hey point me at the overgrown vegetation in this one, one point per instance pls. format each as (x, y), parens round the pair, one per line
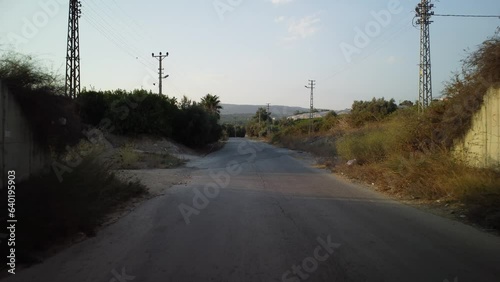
(53, 117)
(374, 110)
(260, 124)
(141, 112)
(480, 71)
(410, 154)
(51, 211)
(231, 130)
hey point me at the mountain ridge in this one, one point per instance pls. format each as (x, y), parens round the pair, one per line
(276, 110)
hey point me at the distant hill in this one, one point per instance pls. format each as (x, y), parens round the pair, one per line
(237, 119)
(318, 114)
(241, 114)
(276, 111)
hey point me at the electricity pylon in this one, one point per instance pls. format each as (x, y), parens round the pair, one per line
(423, 14)
(72, 86)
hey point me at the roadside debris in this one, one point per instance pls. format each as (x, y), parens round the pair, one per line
(351, 162)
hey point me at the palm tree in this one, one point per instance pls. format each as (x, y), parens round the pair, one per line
(212, 104)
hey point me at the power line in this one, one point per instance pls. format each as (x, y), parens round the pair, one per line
(378, 45)
(97, 26)
(118, 22)
(105, 23)
(139, 28)
(112, 26)
(467, 16)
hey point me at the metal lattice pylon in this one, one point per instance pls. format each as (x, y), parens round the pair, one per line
(72, 86)
(424, 13)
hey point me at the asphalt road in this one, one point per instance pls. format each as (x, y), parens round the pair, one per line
(253, 212)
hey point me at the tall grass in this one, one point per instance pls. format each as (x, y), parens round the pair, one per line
(480, 191)
(371, 146)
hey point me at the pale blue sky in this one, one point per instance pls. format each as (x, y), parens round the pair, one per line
(250, 51)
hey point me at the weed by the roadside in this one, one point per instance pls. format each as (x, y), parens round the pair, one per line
(479, 189)
(128, 157)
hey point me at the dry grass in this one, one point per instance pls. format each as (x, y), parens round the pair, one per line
(127, 157)
(433, 176)
(386, 156)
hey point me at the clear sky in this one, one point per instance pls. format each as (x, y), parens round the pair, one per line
(251, 51)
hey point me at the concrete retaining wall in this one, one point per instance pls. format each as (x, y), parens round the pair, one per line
(18, 151)
(481, 145)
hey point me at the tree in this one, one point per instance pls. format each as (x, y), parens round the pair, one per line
(259, 124)
(211, 103)
(186, 103)
(331, 114)
(195, 127)
(261, 115)
(374, 110)
(406, 103)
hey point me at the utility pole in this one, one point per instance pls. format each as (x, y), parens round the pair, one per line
(72, 85)
(312, 85)
(160, 70)
(423, 15)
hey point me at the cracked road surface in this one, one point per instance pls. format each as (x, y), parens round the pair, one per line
(256, 213)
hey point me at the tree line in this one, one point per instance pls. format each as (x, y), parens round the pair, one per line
(138, 112)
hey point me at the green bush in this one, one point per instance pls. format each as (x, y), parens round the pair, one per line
(93, 107)
(231, 130)
(195, 127)
(259, 123)
(139, 112)
(374, 110)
